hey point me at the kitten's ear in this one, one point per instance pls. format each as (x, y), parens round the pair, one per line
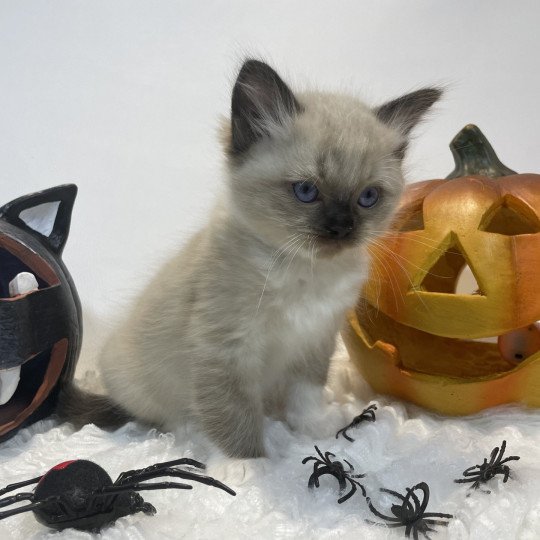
(45, 214)
(259, 98)
(406, 111)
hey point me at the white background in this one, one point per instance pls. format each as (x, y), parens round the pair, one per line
(122, 97)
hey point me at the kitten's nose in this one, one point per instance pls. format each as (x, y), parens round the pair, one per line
(339, 230)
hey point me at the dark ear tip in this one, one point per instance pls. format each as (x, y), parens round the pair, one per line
(253, 68)
(429, 95)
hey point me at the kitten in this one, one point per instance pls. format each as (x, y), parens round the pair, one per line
(243, 321)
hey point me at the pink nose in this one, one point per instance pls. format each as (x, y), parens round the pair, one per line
(519, 344)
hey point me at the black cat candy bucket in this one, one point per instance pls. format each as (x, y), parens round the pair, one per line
(40, 312)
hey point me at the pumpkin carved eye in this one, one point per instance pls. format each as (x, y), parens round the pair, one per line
(510, 217)
(451, 274)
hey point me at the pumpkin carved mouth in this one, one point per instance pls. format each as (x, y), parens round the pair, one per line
(437, 355)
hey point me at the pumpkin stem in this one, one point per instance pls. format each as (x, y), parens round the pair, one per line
(474, 155)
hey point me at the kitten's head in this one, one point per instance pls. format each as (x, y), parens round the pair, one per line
(315, 169)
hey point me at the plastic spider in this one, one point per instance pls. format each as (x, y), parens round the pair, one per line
(325, 465)
(488, 470)
(82, 495)
(367, 415)
(411, 514)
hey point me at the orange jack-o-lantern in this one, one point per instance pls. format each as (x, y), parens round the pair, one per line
(419, 332)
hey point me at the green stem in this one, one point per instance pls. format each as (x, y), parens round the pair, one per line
(473, 155)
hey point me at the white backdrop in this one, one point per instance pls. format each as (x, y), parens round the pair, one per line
(123, 97)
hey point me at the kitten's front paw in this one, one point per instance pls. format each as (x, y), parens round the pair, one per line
(235, 472)
(320, 422)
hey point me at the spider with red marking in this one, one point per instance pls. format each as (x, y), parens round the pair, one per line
(323, 464)
(80, 494)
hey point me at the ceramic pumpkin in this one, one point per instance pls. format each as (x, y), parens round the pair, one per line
(415, 334)
(40, 312)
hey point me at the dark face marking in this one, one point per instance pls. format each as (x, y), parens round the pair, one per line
(337, 221)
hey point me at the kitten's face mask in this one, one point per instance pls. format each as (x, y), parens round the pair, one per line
(320, 173)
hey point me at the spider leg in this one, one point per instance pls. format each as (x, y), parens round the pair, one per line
(310, 458)
(382, 516)
(422, 486)
(437, 522)
(315, 474)
(144, 487)
(495, 455)
(394, 493)
(389, 525)
(464, 480)
(20, 510)
(318, 471)
(347, 496)
(510, 458)
(503, 448)
(18, 485)
(406, 508)
(146, 508)
(427, 528)
(16, 498)
(359, 485)
(28, 507)
(438, 514)
(320, 453)
(158, 466)
(179, 473)
(506, 470)
(350, 466)
(343, 431)
(327, 456)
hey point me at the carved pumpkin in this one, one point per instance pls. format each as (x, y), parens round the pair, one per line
(417, 336)
(40, 324)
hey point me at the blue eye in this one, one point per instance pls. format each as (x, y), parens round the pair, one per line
(305, 192)
(369, 197)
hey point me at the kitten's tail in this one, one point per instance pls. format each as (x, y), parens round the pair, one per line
(80, 407)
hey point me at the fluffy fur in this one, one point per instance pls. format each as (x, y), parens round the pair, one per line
(243, 321)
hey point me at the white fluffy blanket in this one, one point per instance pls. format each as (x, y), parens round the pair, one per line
(403, 447)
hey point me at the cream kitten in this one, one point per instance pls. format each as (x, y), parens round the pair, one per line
(242, 322)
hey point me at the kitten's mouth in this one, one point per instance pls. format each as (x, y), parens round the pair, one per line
(331, 246)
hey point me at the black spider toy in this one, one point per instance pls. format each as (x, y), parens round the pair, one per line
(488, 470)
(324, 465)
(367, 415)
(80, 494)
(411, 514)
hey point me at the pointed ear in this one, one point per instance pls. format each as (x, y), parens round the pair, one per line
(406, 111)
(45, 214)
(259, 98)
